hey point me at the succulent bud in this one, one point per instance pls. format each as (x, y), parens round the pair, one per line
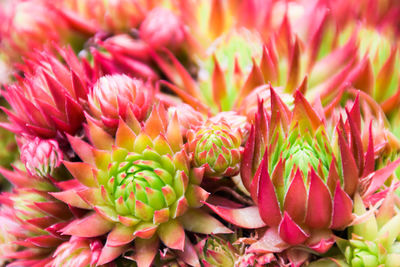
(118, 96)
(215, 251)
(216, 147)
(162, 28)
(41, 157)
(80, 252)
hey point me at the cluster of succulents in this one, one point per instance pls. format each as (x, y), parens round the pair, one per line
(200, 133)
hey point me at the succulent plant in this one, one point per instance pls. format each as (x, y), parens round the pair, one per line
(138, 187)
(162, 29)
(304, 185)
(120, 54)
(29, 25)
(39, 218)
(216, 147)
(119, 96)
(114, 16)
(80, 252)
(374, 242)
(200, 133)
(227, 73)
(41, 157)
(47, 101)
(215, 251)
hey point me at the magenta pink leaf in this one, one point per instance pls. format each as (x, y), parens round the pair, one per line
(290, 232)
(248, 217)
(319, 206)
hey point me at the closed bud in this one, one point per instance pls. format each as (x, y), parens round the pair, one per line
(41, 156)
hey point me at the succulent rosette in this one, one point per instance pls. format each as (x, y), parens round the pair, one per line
(80, 252)
(39, 217)
(227, 73)
(114, 16)
(120, 54)
(217, 148)
(139, 186)
(119, 96)
(373, 242)
(31, 25)
(215, 251)
(41, 157)
(200, 133)
(304, 184)
(162, 29)
(47, 101)
(361, 54)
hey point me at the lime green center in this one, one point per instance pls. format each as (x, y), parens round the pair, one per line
(139, 178)
(302, 151)
(212, 143)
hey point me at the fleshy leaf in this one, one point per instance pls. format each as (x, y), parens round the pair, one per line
(83, 172)
(248, 217)
(146, 250)
(197, 221)
(296, 197)
(172, 234)
(319, 205)
(71, 198)
(342, 209)
(110, 253)
(290, 232)
(90, 226)
(120, 235)
(268, 204)
(349, 166)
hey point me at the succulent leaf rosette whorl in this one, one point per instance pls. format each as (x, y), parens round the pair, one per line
(215, 251)
(41, 157)
(38, 218)
(140, 187)
(29, 25)
(304, 184)
(79, 252)
(47, 102)
(119, 96)
(162, 28)
(374, 242)
(216, 147)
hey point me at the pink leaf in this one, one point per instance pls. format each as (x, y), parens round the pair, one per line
(248, 218)
(90, 226)
(319, 206)
(268, 204)
(290, 232)
(172, 234)
(342, 209)
(296, 197)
